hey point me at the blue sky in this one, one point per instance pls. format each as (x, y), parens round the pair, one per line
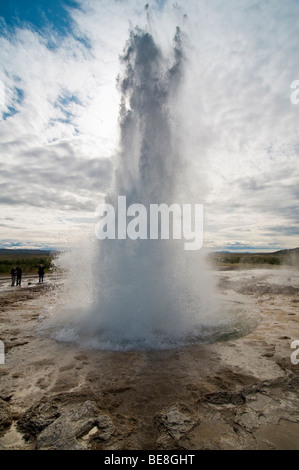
(59, 63)
(40, 15)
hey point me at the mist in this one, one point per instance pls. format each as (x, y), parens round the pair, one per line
(137, 294)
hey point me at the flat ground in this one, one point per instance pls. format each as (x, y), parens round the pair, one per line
(238, 394)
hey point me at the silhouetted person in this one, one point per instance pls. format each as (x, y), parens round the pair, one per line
(13, 273)
(19, 275)
(41, 272)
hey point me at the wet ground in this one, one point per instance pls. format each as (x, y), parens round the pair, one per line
(235, 394)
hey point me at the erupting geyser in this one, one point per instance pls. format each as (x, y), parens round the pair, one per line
(148, 293)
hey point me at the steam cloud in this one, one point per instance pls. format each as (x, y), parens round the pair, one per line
(147, 293)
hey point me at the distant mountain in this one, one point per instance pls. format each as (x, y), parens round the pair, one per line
(24, 252)
(287, 252)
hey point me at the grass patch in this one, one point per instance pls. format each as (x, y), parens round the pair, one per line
(29, 262)
(242, 260)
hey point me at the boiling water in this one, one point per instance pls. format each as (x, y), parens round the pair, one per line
(132, 294)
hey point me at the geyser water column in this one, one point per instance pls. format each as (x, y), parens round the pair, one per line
(150, 293)
(126, 294)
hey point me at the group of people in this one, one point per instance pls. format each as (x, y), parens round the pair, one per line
(16, 275)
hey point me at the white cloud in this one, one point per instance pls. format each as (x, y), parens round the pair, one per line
(239, 128)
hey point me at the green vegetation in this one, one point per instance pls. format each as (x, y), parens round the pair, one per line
(29, 263)
(242, 260)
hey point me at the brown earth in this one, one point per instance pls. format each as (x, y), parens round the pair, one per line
(238, 394)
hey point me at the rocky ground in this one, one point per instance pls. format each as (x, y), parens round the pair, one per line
(238, 394)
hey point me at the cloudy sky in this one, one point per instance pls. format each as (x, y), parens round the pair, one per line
(59, 104)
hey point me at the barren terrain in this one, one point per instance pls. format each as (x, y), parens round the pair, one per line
(236, 394)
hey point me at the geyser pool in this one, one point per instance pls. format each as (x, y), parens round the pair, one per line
(144, 293)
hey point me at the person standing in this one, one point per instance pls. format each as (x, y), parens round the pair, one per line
(41, 272)
(13, 273)
(19, 275)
